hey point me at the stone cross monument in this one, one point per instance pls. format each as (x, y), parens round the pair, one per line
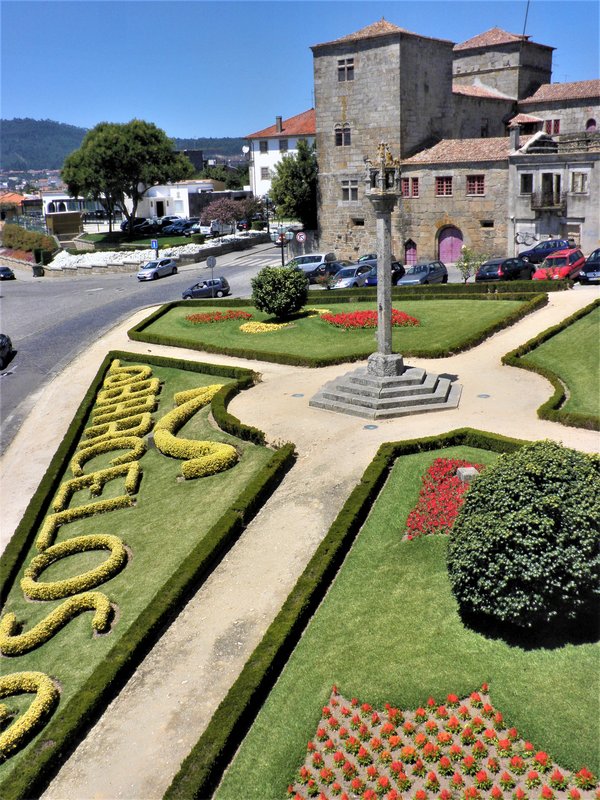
(386, 388)
(382, 188)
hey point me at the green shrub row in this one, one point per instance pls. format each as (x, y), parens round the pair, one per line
(201, 771)
(55, 590)
(45, 701)
(551, 410)
(139, 333)
(13, 643)
(17, 238)
(63, 732)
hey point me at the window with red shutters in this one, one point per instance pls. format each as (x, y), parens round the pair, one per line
(443, 186)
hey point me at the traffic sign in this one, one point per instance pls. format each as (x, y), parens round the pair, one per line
(211, 262)
(300, 236)
(154, 244)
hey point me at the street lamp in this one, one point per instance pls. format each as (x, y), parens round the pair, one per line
(283, 237)
(267, 200)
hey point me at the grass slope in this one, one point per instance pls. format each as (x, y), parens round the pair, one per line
(389, 630)
(574, 355)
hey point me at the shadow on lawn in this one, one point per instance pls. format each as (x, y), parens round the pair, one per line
(583, 630)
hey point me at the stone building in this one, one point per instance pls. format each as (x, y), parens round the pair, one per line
(445, 110)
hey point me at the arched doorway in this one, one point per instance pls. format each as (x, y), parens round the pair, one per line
(590, 126)
(410, 252)
(449, 244)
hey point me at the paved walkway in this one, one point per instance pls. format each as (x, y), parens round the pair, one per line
(137, 746)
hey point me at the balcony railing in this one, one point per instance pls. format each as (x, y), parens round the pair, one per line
(549, 201)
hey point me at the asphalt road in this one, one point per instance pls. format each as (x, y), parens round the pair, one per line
(52, 320)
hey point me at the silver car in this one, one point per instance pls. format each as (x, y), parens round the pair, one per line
(351, 277)
(156, 269)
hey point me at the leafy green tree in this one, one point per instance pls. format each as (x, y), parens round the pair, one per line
(232, 178)
(117, 161)
(294, 186)
(280, 291)
(469, 262)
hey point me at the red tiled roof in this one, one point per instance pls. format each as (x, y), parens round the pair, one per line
(456, 150)
(478, 91)
(380, 28)
(301, 125)
(489, 38)
(11, 197)
(564, 91)
(522, 119)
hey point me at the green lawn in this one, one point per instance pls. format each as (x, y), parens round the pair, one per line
(388, 630)
(445, 324)
(574, 355)
(169, 519)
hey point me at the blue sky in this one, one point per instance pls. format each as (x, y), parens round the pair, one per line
(223, 68)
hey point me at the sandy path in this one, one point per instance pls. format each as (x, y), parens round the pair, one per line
(137, 746)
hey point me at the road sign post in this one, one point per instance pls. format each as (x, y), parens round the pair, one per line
(154, 246)
(211, 263)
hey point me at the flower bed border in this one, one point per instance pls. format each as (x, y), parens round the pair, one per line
(532, 302)
(203, 768)
(551, 409)
(65, 730)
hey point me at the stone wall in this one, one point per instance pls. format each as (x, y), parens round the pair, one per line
(573, 114)
(472, 114)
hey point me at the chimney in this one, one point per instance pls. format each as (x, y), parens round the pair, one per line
(278, 125)
(515, 133)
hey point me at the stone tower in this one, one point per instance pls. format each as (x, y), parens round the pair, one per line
(382, 83)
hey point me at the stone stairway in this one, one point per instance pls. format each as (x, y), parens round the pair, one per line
(365, 395)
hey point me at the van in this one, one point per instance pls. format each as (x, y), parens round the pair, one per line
(217, 228)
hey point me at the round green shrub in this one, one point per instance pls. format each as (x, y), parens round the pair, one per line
(280, 291)
(524, 550)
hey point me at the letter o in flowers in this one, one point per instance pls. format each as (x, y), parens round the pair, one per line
(33, 720)
(38, 590)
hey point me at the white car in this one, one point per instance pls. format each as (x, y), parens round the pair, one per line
(351, 277)
(156, 269)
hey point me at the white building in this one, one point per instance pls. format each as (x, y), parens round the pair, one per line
(175, 198)
(269, 146)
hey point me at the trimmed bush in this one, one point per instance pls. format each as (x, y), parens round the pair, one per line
(280, 291)
(14, 643)
(524, 550)
(55, 590)
(28, 724)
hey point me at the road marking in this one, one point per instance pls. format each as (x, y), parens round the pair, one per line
(99, 289)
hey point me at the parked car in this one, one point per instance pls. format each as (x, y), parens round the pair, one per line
(137, 221)
(504, 269)
(6, 274)
(427, 272)
(327, 270)
(542, 249)
(149, 227)
(156, 269)
(372, 257)
(311, 261)
(217, 287)
(169, 219)
(564, 264)
(178, 228)
(217, 228)
(397, 272)
(351, 277)
(590, 272)
(195, 228)
(6, 349)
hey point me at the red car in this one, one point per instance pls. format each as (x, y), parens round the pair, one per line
(562, 264)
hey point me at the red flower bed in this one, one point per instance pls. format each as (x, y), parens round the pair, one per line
(440, 499)
(217, 316)
(422, 755)
(367, 319)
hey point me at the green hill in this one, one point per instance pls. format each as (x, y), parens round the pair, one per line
(44, 144)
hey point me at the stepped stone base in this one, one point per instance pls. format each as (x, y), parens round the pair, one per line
(363, 394)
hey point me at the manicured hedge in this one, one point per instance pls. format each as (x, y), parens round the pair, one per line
(551, 410)
(201, 771)
(531, 302)
(66, 728)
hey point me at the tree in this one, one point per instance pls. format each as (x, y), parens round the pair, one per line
(469, 262)
(280, 291)
(117, 161)
(232, 178)
(294, 186)
(224, 211)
